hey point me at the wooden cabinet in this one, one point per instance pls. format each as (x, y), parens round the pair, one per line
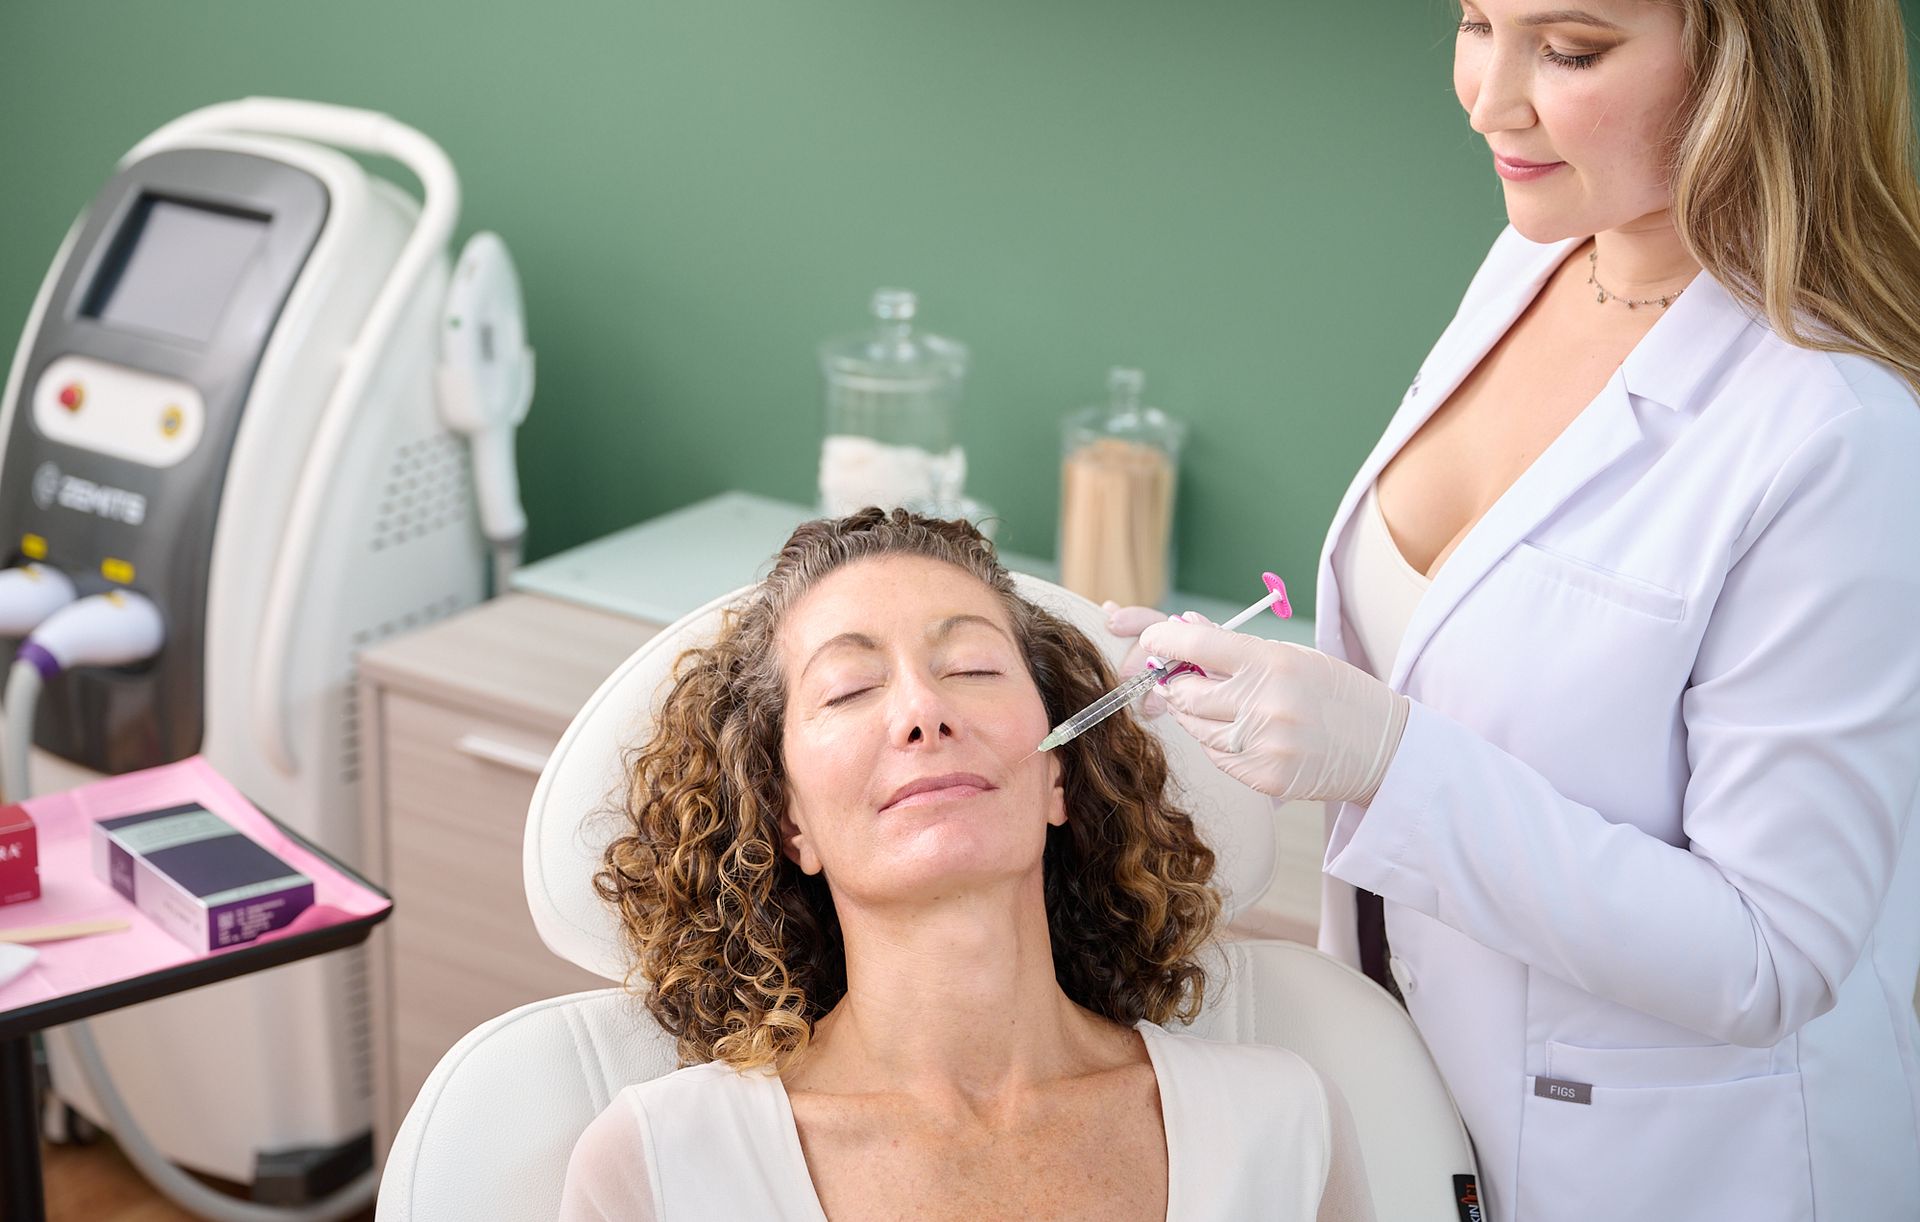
(459, 719)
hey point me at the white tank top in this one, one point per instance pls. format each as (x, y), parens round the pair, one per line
(1252, 1131)
(1378, 589)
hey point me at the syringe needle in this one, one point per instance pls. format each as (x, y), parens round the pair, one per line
(1099, 710)
(1104, 707)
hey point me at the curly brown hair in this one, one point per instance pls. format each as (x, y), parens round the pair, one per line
(743, 950)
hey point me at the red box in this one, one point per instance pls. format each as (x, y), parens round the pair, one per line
(19, 856)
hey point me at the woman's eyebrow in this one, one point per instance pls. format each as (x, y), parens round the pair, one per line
(860, 640)
(946, 626)
(1567, 16)
(846, 640)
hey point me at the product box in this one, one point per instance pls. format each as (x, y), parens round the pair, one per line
(19, 856)
(196, 877)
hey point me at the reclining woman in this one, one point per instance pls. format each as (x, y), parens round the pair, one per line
(915, 969)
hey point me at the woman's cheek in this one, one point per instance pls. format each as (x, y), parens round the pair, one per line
(1577, 123)
(839, 732)
(1023, 725)
(821, 738)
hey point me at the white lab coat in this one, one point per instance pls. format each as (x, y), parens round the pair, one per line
(1650, 829)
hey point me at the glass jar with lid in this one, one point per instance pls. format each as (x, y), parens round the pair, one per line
(891, 396)
(1119, 461)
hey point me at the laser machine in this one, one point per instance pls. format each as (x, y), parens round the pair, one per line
(256, 402)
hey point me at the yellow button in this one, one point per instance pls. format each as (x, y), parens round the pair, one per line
(34, 546)
(172, 419)
(116, 570)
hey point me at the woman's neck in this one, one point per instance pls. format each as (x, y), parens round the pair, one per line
(953, 997)
(1645, 258)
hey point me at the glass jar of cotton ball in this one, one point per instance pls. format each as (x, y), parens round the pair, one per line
(1117, 473)
(892, 393)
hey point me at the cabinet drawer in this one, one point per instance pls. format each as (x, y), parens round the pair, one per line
(464, 949)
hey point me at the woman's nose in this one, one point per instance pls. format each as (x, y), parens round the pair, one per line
(1501, 94)
(920, 713)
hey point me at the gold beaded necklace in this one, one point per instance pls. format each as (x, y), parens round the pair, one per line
(1602, 293)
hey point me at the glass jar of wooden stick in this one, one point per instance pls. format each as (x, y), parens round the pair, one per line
(1117, 476)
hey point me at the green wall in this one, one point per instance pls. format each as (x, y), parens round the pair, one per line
(1269, 206)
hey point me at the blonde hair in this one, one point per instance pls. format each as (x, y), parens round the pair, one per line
(1793, 177)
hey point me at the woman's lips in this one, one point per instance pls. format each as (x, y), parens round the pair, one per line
(1523, 172)
(943, 788)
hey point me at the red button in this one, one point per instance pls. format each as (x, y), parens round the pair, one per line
(72, 396)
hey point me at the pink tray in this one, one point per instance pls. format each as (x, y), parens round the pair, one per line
(109, 964)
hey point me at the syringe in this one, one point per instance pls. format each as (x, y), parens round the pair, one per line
(1158, 672)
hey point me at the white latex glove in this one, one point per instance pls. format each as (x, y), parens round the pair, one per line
(1277, 717)
(1130, 622)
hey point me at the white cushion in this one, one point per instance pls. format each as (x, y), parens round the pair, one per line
(574, 809)
(489, 1134)
(1290, 995)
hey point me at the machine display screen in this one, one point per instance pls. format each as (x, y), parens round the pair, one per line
(173, 267)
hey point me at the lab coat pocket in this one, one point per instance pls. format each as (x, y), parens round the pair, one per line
(1620, 589)
(1702, 1133)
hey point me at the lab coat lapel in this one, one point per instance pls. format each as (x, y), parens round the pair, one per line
(1458, 352)
(1667, 370)
(1604, 430)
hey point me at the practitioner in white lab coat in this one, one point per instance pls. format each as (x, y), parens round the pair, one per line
(1616, 700)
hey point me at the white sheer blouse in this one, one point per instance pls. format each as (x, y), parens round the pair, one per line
(1251, 1132)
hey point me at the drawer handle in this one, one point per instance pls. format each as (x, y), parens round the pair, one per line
(518, 758)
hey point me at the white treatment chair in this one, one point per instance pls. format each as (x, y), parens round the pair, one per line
(489, 1135)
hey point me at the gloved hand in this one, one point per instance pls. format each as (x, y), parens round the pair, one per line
(1277, 717)
(1130, 622)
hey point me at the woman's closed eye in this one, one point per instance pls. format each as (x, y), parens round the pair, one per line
(844, 697)
(1558, 58)
(848, 697)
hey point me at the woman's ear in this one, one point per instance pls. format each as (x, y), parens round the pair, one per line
(797, 845)
(1056, 791)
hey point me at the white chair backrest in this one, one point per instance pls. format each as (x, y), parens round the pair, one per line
(1290, 995)
(573, 815)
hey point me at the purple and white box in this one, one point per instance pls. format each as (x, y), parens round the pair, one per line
(196, 877)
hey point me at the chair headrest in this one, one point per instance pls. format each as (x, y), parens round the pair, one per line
(580, 796)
